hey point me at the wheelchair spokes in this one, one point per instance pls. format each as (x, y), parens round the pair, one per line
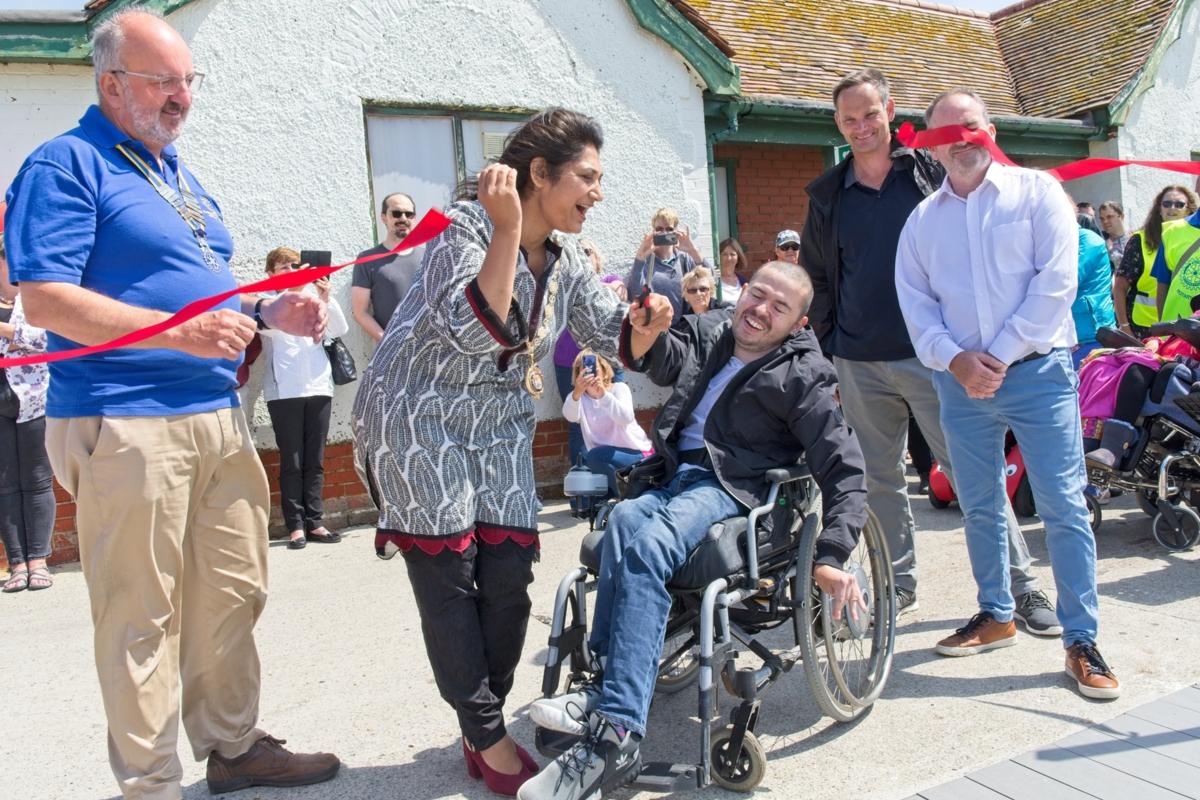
(847, 664)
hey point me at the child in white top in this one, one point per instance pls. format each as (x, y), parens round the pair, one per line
(604, 411)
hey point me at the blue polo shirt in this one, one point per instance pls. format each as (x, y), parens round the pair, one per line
(80, 213)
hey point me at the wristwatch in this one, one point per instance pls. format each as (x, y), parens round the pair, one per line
(258, 320)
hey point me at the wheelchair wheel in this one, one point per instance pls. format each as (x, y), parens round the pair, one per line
(1095, 510)
(1182, 538)
(742, 771)
(847, 662)
(680, 663)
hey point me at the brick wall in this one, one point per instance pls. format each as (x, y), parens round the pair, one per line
(769, 182)
(346, 500)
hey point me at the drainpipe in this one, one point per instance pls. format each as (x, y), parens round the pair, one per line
(731, 109)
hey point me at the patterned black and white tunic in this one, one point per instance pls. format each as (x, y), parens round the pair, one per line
(443, 427)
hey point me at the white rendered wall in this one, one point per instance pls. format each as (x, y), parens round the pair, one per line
(277, 133)
(38, 102)
(1164, 123)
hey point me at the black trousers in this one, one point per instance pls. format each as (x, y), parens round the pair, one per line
(918, 448)
(301, 425)
(474, 609)
(26, 490)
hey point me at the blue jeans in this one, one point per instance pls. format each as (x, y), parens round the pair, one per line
(1039, 401)
(647, 539)
(607, 460)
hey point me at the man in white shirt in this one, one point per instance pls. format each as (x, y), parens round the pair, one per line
(986, 272)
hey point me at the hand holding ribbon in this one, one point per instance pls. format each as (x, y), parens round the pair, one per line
(430, 226)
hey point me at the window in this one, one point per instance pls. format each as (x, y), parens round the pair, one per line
(427, 152)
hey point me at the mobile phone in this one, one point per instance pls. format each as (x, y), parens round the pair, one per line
(589, 364)
(316, 258)
(661, 239)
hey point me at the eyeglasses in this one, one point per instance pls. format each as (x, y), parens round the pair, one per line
(167, 84)
(397, 214)
(700, 290)
(286, 266)
(789, 246)
(1173, 204)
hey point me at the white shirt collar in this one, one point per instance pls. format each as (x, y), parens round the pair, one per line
(996, 175)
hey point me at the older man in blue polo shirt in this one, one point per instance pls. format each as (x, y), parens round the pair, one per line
(109, 233)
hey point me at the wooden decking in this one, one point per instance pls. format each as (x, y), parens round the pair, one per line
(1149, 753)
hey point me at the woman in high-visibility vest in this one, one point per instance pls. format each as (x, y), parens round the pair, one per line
(1137, 313)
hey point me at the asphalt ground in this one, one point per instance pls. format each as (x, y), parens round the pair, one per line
(344, 670)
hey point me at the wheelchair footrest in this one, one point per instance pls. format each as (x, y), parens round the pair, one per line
(659, 776)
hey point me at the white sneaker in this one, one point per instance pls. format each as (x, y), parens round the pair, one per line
(603, 761)
(567, 713)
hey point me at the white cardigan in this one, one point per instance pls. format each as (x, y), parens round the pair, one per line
(607, 421)
(296, 365)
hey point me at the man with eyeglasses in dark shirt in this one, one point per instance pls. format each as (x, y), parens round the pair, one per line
(379, 286)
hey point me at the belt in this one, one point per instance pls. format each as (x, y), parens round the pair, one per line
(1031, 357)
(697, 457)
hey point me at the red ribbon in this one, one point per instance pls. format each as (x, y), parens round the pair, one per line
(430, 226)
(949, 134)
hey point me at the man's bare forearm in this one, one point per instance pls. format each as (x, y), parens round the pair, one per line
(84, 316)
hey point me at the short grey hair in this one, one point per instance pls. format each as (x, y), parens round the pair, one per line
(109, 37)
(870, 77)
(957, 92)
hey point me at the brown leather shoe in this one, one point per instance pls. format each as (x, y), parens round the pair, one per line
(1091, 674)
(267, 763)
(981, 633)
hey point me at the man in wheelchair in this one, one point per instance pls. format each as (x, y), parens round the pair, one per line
(751, 392)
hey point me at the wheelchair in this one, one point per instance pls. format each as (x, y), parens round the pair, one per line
(749, 575)
(1159, 461)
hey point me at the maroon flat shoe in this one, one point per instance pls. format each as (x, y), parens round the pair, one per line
(498, 782)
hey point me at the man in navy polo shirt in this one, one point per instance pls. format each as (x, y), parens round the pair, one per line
(109, 233)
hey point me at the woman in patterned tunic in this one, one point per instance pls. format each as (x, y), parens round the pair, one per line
(444, 417)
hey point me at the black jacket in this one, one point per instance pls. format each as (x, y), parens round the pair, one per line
(819, 251)
(775, 410)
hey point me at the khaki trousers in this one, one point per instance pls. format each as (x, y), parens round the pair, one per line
(172, 521)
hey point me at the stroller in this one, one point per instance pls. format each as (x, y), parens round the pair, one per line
(1159, 458)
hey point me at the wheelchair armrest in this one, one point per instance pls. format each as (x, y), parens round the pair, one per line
(1111, 337)
(788, 474)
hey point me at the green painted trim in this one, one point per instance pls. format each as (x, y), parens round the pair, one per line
(730, 165)
(1118, 110)
(510, 114)
(65, 42)
(720, 75)
(53, 42)
(811, 124)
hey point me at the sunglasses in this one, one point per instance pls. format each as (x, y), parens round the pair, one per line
(789, 246)
(402, 214)
(287, 267)
(1173, 204)
(700, 290)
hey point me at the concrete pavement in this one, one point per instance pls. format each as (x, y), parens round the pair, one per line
(344, 670)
